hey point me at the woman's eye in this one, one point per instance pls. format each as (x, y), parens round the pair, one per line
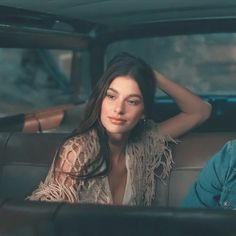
(133, 102)
(110, 96)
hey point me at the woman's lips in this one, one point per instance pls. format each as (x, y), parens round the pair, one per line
(117, 121)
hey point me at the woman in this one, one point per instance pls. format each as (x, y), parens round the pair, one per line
(216, 185)
(115, 155)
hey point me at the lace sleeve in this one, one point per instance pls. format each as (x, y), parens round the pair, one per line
(60, 184)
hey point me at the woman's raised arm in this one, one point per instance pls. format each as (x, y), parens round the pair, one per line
(193, 109)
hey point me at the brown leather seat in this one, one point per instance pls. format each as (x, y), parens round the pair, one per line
(190, 155)
(18, 218)
(24, 161)
(26, 158)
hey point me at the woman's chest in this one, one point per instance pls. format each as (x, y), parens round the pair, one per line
(117, 180)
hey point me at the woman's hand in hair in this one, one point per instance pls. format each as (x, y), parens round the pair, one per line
(194, 110)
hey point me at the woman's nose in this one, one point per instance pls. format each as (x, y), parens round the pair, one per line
(119, 107)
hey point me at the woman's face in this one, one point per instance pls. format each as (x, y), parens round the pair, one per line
(122, 106)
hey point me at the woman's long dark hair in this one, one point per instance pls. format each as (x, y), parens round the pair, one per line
(123, 64)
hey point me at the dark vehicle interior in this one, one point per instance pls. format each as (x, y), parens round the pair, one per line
(51, 55)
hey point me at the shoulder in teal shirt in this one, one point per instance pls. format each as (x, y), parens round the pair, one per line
(216, 184)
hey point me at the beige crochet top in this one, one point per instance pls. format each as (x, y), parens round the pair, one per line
(148, 158)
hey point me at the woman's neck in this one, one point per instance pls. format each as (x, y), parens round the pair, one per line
(117, 148)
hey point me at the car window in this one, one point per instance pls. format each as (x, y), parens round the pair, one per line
(205, 63)
(33, 79)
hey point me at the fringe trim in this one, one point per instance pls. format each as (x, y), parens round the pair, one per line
(54, 192)
(148, 156)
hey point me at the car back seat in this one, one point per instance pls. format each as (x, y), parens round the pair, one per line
(190, 155)
(25, 160)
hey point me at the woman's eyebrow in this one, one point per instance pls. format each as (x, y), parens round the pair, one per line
(115, 91)
(135, 95)
(130, 95)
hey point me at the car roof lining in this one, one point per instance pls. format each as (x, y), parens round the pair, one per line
(111, 12)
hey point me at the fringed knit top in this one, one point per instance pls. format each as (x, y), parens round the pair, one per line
(146, 159)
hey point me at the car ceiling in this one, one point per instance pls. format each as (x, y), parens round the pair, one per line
(112, 12)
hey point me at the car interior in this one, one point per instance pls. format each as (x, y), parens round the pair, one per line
(51, 55)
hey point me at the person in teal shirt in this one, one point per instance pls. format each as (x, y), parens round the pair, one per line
(215, 186)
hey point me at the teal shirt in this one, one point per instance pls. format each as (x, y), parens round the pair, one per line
(216, 183)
